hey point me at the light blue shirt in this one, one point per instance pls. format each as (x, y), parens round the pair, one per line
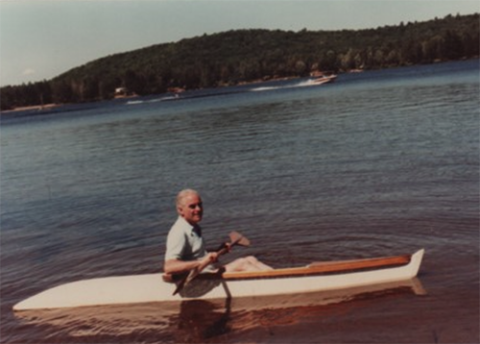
(184, 243)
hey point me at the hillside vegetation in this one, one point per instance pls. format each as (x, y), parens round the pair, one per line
(233, 57)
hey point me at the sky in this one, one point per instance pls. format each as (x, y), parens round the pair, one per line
(40, 39)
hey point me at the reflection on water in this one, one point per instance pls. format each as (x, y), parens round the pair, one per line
(197, 321)
(200, 320)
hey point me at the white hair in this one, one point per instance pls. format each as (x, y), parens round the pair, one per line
(182, 194)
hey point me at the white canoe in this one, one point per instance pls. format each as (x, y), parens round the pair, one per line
(152, 288)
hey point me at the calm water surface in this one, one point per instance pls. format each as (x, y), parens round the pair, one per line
(378, 163)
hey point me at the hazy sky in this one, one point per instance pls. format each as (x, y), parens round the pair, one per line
(40, 39)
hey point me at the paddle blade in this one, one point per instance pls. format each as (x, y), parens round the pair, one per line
(239, 239)
(185, 280)
(180, 285)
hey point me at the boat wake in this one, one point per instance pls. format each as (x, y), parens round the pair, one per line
(260, 89)
(135, 102)
(156, 100)
(272, 88)
(305, 83)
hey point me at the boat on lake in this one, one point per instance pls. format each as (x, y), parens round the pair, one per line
(324, 79)
(316, 277)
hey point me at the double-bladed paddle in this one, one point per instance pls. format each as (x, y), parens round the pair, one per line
(235, 239)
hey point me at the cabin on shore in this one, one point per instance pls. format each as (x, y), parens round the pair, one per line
(120, 92)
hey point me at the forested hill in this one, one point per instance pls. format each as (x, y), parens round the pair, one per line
(239, 56)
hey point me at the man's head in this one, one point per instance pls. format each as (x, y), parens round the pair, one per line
(189, 206)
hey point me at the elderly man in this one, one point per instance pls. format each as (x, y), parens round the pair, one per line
(185, 244)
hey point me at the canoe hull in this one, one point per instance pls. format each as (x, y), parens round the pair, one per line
(152, 288)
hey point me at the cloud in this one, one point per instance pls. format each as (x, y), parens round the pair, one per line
(28, 71)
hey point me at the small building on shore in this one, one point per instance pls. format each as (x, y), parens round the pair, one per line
(120, 92)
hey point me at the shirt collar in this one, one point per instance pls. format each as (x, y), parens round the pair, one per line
(189, 227)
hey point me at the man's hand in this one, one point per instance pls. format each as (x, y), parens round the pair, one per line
(225, 245)
(211, 257)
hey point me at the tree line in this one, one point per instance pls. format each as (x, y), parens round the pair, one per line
(237, 56)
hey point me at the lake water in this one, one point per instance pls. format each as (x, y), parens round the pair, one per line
(376, 164)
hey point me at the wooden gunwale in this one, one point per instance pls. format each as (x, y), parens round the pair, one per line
(323, 268)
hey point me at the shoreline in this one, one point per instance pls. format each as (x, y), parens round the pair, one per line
(30, 108)
(54, 105)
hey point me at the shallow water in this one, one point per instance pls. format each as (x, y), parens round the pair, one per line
(376, 164)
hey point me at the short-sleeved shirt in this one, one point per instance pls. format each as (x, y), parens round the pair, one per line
(184, 242)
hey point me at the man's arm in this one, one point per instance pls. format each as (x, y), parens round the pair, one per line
(177, 266)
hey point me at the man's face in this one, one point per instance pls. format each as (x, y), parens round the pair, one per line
(191, 209)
